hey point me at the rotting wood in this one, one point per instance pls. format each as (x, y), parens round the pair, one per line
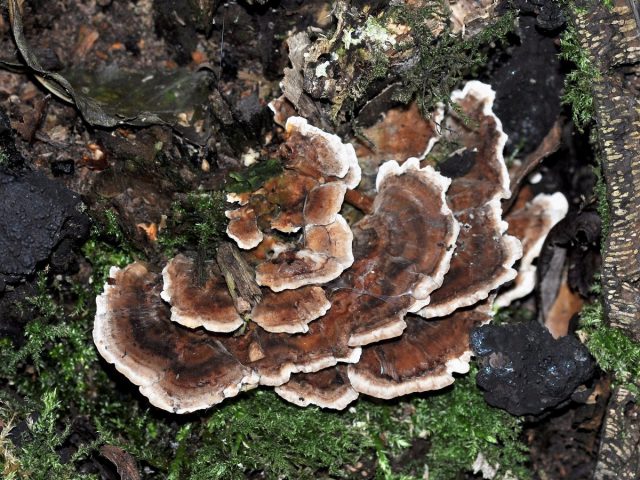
(619, 456)
(239, 276)
(612, 38)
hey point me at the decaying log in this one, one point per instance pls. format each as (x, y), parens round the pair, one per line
(612, 38)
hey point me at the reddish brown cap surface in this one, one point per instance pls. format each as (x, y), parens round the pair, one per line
(290, 311)
(481, 262)
(424, 358)
(477, 171)
(403, 132)
(405, 246)
(178, 369)
(275, 356)
(326, 254)
(329, 388)
(484, 254)
(304, 199)
(243, 227)
(208, 305)
(402, 251)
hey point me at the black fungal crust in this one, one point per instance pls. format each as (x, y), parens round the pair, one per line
(39, 218)
(528, 86)
(524, 370)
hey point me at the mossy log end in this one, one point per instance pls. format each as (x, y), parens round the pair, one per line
(612, 38)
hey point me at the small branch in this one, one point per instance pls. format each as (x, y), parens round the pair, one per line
(240, 277)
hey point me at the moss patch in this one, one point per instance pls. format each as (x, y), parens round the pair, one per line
(614, 351)
(578, 93)
(197, 220)
(444, 61)
(254, 176)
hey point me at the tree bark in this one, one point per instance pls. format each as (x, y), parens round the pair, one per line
(619, 454)
(612, 37)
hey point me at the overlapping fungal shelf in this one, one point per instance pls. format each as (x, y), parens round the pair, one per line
(382, 307)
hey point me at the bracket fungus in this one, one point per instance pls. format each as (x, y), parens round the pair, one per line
(382, 306)
(208, 305)
(531, 223)
(177, 369)
(305, 198)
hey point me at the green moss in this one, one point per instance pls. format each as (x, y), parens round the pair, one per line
(111, 225)
(102, 256)
(444, 61)
(614, 351)
(608, 4)
(373, 64)
(106, 247)
(254, 176)
(457, 424)
(260, 432)
(37, 458)
(512, 314)
(4, 158)
(197, 221)
(578, 84)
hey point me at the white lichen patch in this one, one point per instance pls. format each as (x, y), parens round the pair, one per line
(372, 33)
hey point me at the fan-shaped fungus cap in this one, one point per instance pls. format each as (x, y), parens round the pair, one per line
(290, 311)
(484, 255)
(531, 224)
(402, 132)
(179, 370)
(326, 255)
(414, 229)
(329, 388)
(319, 154)
(277, 356)
(243, 227)
(478, 171)
(208, 305)
(424, 358)
(402, 251)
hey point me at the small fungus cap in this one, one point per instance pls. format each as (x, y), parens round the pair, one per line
(329, 388)
(424, 358)
(306, 199)
(531, 224)
(290, 311)
(208, 305)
